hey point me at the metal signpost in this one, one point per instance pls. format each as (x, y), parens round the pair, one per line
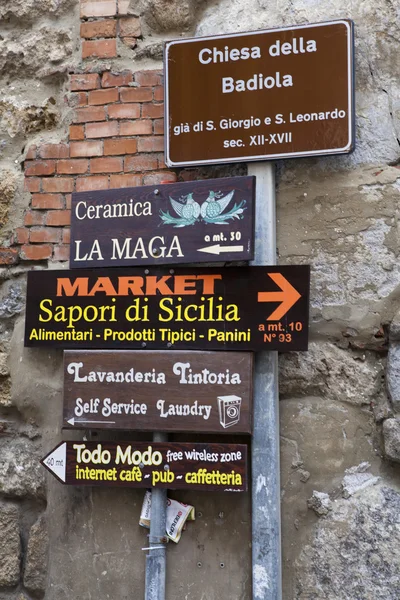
(245, 308)
(199, 221)
(278, 93)
(216, 467)
(208, 392)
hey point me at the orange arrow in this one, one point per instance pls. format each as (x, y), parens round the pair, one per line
(287, 297)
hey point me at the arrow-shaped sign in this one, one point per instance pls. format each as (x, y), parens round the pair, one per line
(56, 461)
(287, 297)
(218, 249)
(72, 421)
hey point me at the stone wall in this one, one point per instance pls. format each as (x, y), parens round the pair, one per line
(81, 109)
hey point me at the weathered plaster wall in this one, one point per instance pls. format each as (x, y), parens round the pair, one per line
(340, 424)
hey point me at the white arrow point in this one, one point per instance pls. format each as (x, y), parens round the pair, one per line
(72, 421)
(56, 462)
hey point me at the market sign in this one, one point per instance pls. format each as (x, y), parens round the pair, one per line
(247, 308)
(209, 392)
(199, 221)
(210, 467)
(276, 93)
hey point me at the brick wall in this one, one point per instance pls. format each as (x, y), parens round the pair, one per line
(116, 140)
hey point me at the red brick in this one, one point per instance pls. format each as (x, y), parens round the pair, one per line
(43, 235)
(87, 148)
(104, 96)
(99, 48)
(66, 236)
(116, 79)
(91, 113)
(72, 166)
(124, 181)
(141, 163)
(61, 252)
(39, 167)
(105, 28)
(76, 132)
(139, 127)
(102, 130)
(32, 184)
(130, 27)
(151, 144)
(106, 165)
(124, 111)
(87, 184)
(161, 163)
(33, 218)
(136, 94)
(8, 256)
(84, 81)
(54, 151)
(47, 201)
(149, 78)
(162, 177)
(98, 8)
(31, 153)
(75, 99)
(158, 126)
(68, 201)
(58, 218)
(114, 147)
(36, 252)
(58, 184)
(21, 235)
(159, 93)
(154, 111)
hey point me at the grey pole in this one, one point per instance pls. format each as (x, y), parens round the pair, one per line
(156, 558)
(266, 513)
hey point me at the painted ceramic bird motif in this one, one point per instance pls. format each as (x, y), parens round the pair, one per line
(188, 211)
(213, 206)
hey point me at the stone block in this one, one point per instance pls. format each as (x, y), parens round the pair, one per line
(20, 471)
(344, 375)
(36, 557)
(393, 374)
(391, 437)
(10, 545)
(352, 552)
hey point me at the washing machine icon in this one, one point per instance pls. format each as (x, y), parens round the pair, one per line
(229, 410)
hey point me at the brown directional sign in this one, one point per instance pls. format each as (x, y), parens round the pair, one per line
(277, 93)
(210, 467)
(158, 391)
(247, 308)
(199, 221)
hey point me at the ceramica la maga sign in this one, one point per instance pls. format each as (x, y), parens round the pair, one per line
(197, 221)
(279, 93)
